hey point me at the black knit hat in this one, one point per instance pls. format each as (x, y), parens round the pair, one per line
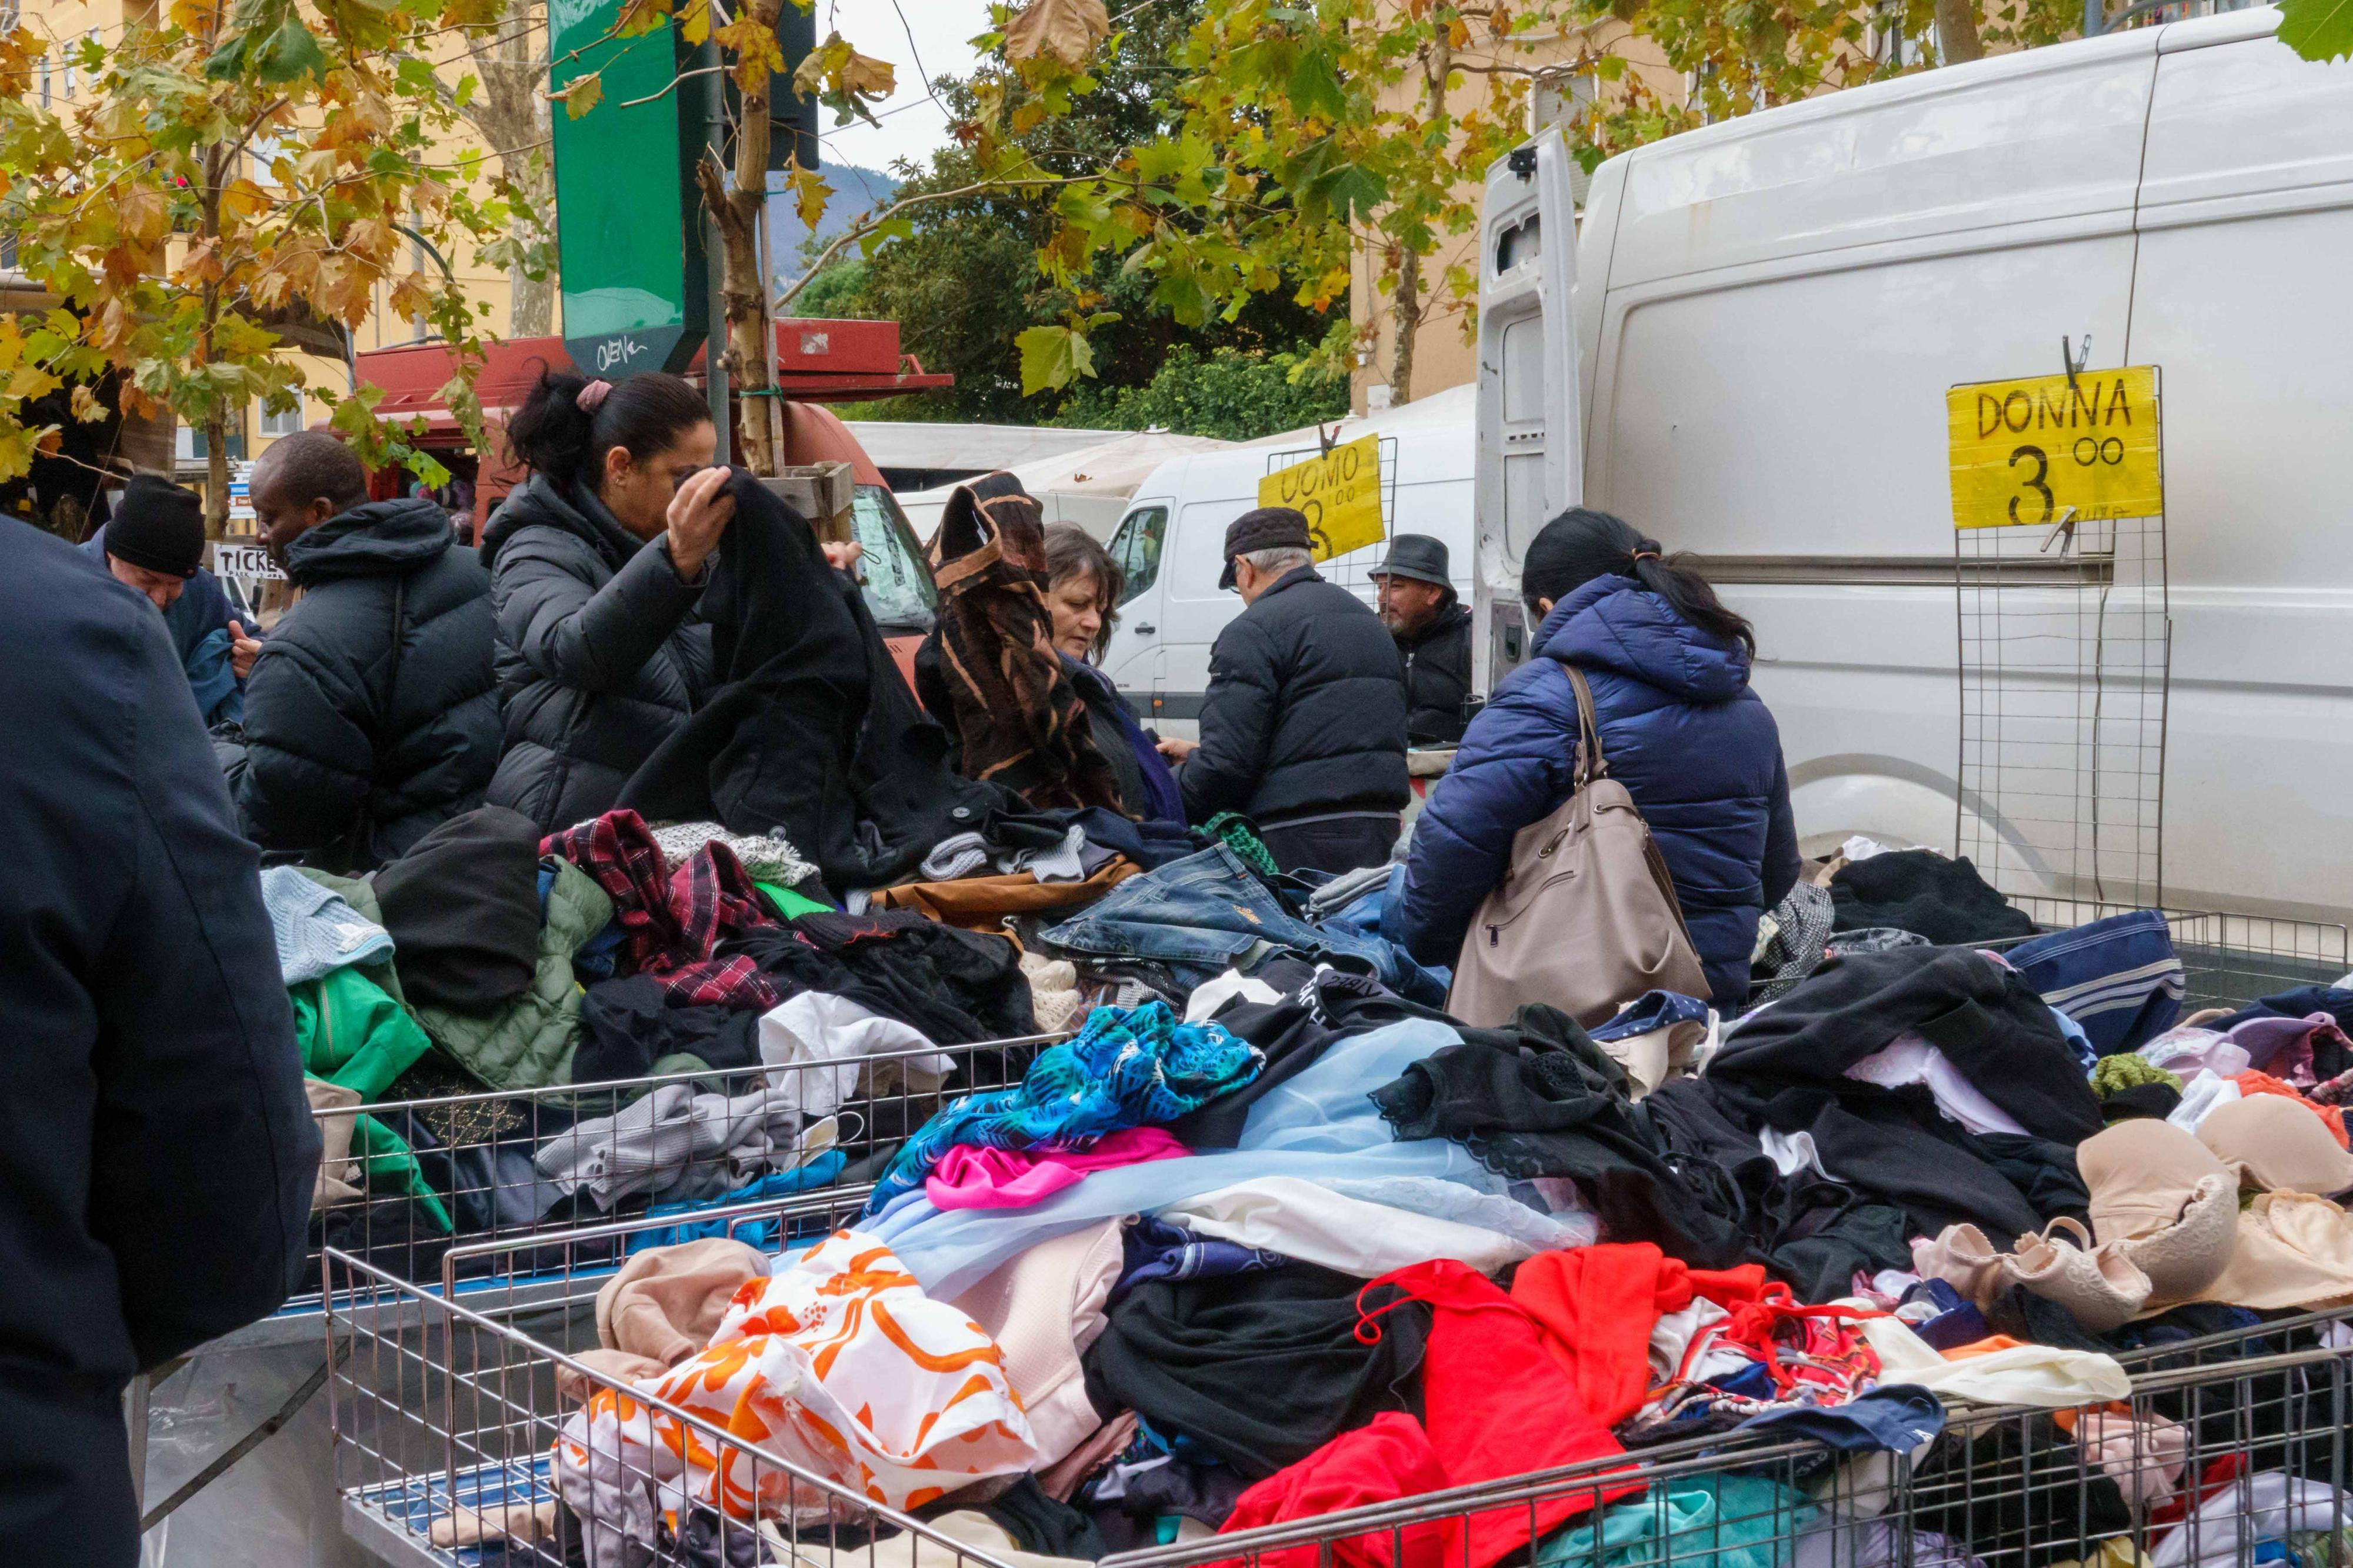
(1267, 527)
(1417, 556)
(159, 526)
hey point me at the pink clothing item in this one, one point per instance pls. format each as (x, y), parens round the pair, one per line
(970, 1177)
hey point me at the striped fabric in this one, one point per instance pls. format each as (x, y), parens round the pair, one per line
(2119, 979)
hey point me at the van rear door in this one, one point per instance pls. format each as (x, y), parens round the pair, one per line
(1529, 462)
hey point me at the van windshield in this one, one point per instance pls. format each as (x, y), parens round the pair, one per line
(899, 592)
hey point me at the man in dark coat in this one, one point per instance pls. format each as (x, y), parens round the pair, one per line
(157, 1157)
(372, 715)
(155, 543)
(1432, 629)
(1302, 729)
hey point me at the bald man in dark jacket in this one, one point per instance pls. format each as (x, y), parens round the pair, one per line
(156, 1154)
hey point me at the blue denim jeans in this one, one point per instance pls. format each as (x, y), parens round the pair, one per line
(1199, 915)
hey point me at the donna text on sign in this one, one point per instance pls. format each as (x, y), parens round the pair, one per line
(2033, 452)
(1339, 493)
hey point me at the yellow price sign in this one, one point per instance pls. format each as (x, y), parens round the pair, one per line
(2028, 453)
(1339, 492)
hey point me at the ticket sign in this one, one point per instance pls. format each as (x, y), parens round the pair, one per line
(1339, 492)
(247, 562)
(2029, 453)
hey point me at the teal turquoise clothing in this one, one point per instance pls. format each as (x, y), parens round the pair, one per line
(1696, 1521)
(1125, 1068)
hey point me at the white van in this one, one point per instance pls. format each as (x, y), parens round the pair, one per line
(1745, 354)
(1171, 543)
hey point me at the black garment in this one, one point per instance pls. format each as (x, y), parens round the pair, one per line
(156, 1153)
(1042, 1524)
(1438, 675)
(336, 742)
(1149, 843)
(1540, 1099)
(1335, 844)
(2146, 1102)
(1305, 711)
(462, 907)
(1996, 1031)
(955, 985)
(2050, 1503)
(1314, 1009)
(1175, 1488)
(600, 655)
(1107, 719)
(1920, 891)
(1263, 1369)
(626, 1027)
(813, 735)
(1811, 1232)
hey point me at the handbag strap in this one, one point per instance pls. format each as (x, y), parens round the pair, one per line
(1590, 763)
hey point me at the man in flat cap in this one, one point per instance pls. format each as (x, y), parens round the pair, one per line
(1432, 629)
(155, 544)
(1302, 729)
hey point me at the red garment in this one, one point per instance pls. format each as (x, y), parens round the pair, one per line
(1388, 1457)
(1595, 1308)
(1495, 1405)
(2331, 1116)
(674, 918)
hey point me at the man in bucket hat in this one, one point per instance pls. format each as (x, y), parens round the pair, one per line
(1432, 629)
(1302, 729)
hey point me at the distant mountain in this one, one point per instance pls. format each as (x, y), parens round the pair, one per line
(856, 192)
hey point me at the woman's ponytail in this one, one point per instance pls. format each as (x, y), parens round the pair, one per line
(568, 422)
(1581, 544)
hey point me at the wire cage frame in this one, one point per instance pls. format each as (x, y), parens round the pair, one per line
(2064, 662)
(445, 1413)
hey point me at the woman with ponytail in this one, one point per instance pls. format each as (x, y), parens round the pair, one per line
(1696, 748)
(596, 563)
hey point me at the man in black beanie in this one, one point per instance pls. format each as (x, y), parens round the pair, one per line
(154, 544)
(1302, 729)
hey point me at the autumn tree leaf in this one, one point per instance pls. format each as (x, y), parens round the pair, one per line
(1068, 30)
(2317, 29)
(580, 95)
(757, 53)
(84, 404)
(1052, 358)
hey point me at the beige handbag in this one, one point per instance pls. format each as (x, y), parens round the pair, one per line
(1586, 918)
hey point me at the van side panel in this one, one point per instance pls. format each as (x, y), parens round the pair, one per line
(2246, 244)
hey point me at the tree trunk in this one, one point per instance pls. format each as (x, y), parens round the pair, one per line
(735, 202)
(1405, 311)
(1957, 32)
(218, 167)
(511, 64)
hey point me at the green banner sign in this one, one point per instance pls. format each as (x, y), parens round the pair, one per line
(629, 220)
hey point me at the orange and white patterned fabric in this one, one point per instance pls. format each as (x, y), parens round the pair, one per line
(838, 1363)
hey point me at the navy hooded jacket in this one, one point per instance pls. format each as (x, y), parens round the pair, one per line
(1682, 731)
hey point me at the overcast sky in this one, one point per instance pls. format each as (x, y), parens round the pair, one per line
(910, 125)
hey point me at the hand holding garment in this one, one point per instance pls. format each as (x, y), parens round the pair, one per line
(675, 920)
(838, 1362)
(1123, 1071)
(989, 670)
(666, 1301)
(2272, 1144)
(813, 733)
(978, 1177)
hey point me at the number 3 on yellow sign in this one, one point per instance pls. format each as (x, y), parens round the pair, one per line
(2028, 453)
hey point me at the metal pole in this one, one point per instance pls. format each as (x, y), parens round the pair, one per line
(2094, 16)
(714, 341)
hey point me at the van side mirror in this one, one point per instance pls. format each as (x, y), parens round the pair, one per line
(1522, 161)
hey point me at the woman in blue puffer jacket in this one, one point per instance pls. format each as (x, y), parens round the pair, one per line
(1668, 664)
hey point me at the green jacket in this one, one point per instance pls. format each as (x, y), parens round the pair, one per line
(529, 1042)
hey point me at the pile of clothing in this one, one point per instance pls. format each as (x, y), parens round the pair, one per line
(1286, 1239)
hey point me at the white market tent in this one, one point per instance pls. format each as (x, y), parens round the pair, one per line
(1089, 487)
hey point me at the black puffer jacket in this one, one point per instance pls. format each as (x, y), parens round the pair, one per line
(598, 657)
(331, 728)
(1305, 711)
(1438, 676)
